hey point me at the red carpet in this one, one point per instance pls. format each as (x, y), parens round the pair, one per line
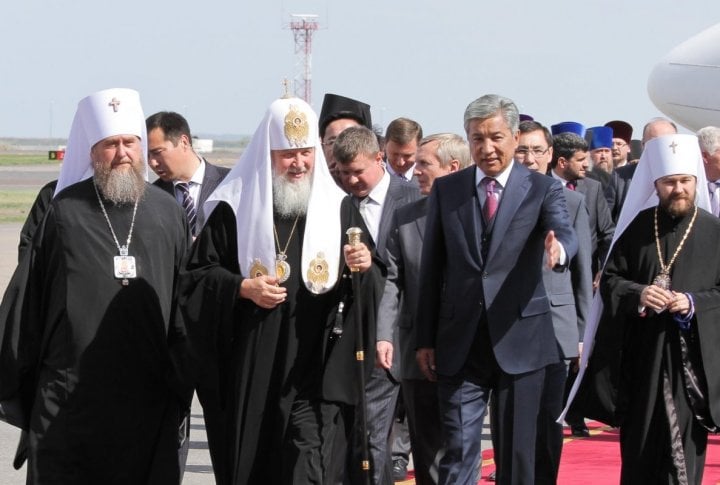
(596, 460)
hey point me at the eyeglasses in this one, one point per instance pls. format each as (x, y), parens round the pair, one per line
(537, 151)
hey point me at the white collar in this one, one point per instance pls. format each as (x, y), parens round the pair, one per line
(502, 177)
(379, 192)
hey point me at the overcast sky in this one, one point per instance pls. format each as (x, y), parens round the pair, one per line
(221, 63)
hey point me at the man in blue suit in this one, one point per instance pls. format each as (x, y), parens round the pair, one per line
(484, 322)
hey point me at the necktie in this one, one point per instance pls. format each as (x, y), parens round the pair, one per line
(491, 202)
(570, 186)
(714, 197)
(189, 206)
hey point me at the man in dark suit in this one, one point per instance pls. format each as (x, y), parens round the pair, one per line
(401, 141)
(190, 179)
(569, 165)
(181, 171)
(484, 322)
(570, 294)
(438, 155)
(378, 195)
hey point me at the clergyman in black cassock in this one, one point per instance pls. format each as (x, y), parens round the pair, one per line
(655, 372)
(283, 373)
(97, 362)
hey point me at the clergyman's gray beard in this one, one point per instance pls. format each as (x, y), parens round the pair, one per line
(291, 199)
(120, 186)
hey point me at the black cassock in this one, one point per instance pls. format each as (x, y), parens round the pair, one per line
(258, 364)
(645, 374)
(98, 370)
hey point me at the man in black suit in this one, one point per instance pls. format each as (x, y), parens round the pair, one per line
(181, 171)
(190, 179)
(377, 195)
(484, 322)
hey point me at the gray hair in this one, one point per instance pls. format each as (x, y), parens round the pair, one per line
(709, 139)
(450, 147)
(490, 105)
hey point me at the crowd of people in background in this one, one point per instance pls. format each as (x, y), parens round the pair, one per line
(486, 272)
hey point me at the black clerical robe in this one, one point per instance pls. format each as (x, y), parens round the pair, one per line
(257, 363)
(634, 353)
(99, 368)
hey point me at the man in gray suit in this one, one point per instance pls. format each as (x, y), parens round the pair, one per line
(437, 155)
(181, 171)
(378, 195)
(570, 294)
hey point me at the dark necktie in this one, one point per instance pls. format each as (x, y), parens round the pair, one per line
(570, 185)
(491, 202)
(189, 206)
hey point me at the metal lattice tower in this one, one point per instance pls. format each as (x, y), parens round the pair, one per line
(303, 26)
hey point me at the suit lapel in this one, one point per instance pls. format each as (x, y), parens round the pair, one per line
(420, 225)
(470, 217)
(514, 193)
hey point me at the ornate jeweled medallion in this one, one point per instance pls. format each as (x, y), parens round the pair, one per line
(318, 273)
(663, 281)
(296, 128)
(282, 268)
(258, 269)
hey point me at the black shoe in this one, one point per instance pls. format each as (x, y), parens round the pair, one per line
(491, 477)
(580, 431)
(399, 470)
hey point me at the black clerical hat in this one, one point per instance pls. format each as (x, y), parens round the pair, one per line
(336, 107)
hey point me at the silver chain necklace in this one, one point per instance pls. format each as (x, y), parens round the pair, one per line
(124, 265)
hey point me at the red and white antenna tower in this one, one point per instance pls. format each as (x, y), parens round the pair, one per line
(303, 27)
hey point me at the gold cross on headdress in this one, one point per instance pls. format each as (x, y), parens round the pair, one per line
(673, 145)
(114, 103)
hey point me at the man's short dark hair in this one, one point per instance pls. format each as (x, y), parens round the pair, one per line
(565, 145)
(530, 125)
(173, 125)
(403, 130)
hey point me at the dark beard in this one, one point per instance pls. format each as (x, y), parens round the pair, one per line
(120, 187)
(675, 208)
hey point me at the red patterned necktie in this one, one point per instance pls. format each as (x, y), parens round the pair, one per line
(570, 185)
(491, 202)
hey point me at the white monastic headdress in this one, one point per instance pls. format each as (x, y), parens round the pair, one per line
(666, 155)
(106, 113)
(289, 123)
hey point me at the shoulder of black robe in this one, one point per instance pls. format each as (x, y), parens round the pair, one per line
(209, 285)
(339, 377)
(597, 397)
(39, 297)
(35, 216)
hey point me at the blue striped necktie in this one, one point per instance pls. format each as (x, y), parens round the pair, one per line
(189, 205)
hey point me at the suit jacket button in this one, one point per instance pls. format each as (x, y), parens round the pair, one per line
(484, 275)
